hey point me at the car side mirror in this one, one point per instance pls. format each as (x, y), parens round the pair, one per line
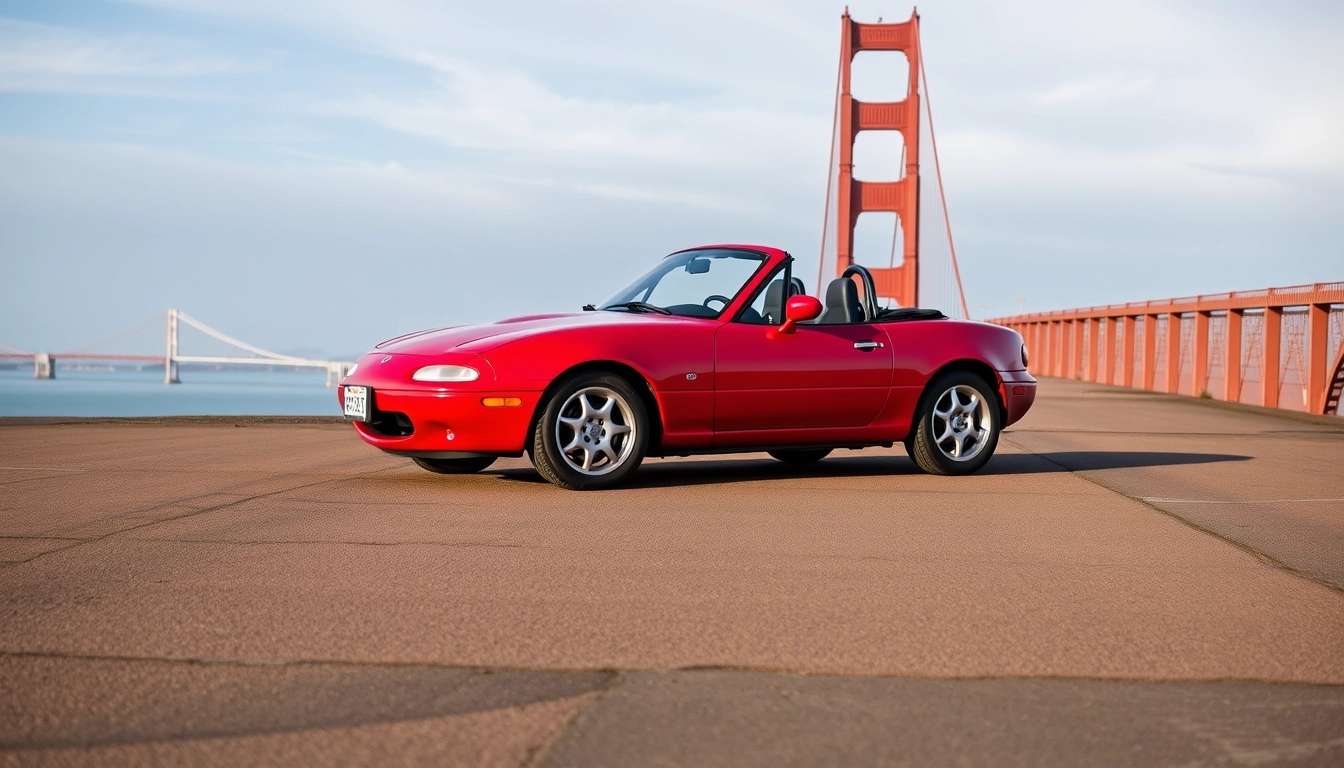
(797, 310)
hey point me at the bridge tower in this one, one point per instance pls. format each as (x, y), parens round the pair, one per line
(44, 366)
(170, 358)
(901, 196)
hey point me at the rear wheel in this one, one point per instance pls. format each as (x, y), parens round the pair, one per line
(957, 426)
(455, 466)
(592, 433)
(801, 455)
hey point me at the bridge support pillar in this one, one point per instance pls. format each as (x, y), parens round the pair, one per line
(1076, 355)
(170, 356)
(1318, 347)
(1108, 370)
(1173, 352)
(336, 372)
(1269, 377)
(1038, 348)
(1232, 379)
(1149, 351)
(44, 366)
(1126, 363)
(1200, 382)
(1093, 346)
(1057, 332)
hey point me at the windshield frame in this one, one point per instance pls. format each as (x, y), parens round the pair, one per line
(671, 262)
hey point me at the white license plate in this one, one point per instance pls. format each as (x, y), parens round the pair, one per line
(357, 403)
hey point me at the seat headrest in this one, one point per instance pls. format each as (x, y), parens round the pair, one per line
(842, 303)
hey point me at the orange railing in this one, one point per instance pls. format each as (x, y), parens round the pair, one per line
(1278, 347)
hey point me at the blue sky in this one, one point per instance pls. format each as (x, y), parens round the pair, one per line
(318, 176)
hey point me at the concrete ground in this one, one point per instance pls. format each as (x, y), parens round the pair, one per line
(1135, 579)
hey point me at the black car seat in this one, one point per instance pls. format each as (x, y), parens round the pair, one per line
(774, 299)
(842, 303)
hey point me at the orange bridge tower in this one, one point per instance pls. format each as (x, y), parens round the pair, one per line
(901, 197)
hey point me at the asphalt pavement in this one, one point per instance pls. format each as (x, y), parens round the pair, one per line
(1135, 579)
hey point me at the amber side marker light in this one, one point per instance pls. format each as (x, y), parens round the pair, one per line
(501, 402)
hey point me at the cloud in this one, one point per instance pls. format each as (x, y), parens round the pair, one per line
(1095, 89)
(498, 109)
(1092, 152)
(38, 57)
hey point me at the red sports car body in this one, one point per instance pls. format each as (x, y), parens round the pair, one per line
(704, 354)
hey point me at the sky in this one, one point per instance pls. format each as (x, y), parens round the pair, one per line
(315, 176)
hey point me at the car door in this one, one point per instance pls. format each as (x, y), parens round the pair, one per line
(820, 376)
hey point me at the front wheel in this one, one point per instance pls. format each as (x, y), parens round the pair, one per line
(957, 427)
(592, 433)
(455, 466)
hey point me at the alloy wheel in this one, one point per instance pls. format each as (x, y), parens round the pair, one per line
(596, 431)
(961, 423)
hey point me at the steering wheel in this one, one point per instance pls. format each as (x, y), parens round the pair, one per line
(716, 297)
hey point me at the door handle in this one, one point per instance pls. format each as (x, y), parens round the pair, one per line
(868, 346)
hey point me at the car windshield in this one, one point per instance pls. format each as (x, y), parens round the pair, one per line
(690, 284)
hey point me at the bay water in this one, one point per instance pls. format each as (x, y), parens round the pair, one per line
(128, 392)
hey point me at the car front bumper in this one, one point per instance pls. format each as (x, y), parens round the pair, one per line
(447, 423)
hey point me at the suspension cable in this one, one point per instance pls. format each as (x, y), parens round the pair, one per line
(117, 336)
(942, 194)
(831, 172)
(198, 325)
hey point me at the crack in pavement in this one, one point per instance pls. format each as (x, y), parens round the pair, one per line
(603, 669)
(185, 515)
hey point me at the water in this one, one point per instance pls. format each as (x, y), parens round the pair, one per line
(143, 393)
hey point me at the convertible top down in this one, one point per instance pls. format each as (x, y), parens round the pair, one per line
(716, 349)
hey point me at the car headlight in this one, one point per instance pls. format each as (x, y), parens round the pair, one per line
(446, 373)
(352, 370)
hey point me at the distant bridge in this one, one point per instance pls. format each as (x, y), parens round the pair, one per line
(44, 363)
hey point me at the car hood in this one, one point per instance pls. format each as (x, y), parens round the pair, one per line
(482, 338)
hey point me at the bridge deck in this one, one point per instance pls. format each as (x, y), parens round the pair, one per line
(1137, 578)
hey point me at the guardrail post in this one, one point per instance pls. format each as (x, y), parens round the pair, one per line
(1200, 380)
(1093, 345)
(1065, 348)
(1061, 354)
(1047, 347)
(1126, 363)
(1318, 346)
(1173, 352)
(1046, 329)
(1232, 379)
(1149, 351)
(1112, 327)
(1062, 362)
(1034, 352)
(1042, 347)
(1076, 327)
(1269, 377)
(1062, 358)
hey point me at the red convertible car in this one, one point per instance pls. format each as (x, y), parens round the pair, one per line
(715, 350)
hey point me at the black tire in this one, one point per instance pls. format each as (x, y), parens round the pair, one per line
(933, 440)
(455, 466)
(574, 401)
(801, 455)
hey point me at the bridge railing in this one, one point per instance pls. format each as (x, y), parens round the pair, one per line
(1276, 347)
